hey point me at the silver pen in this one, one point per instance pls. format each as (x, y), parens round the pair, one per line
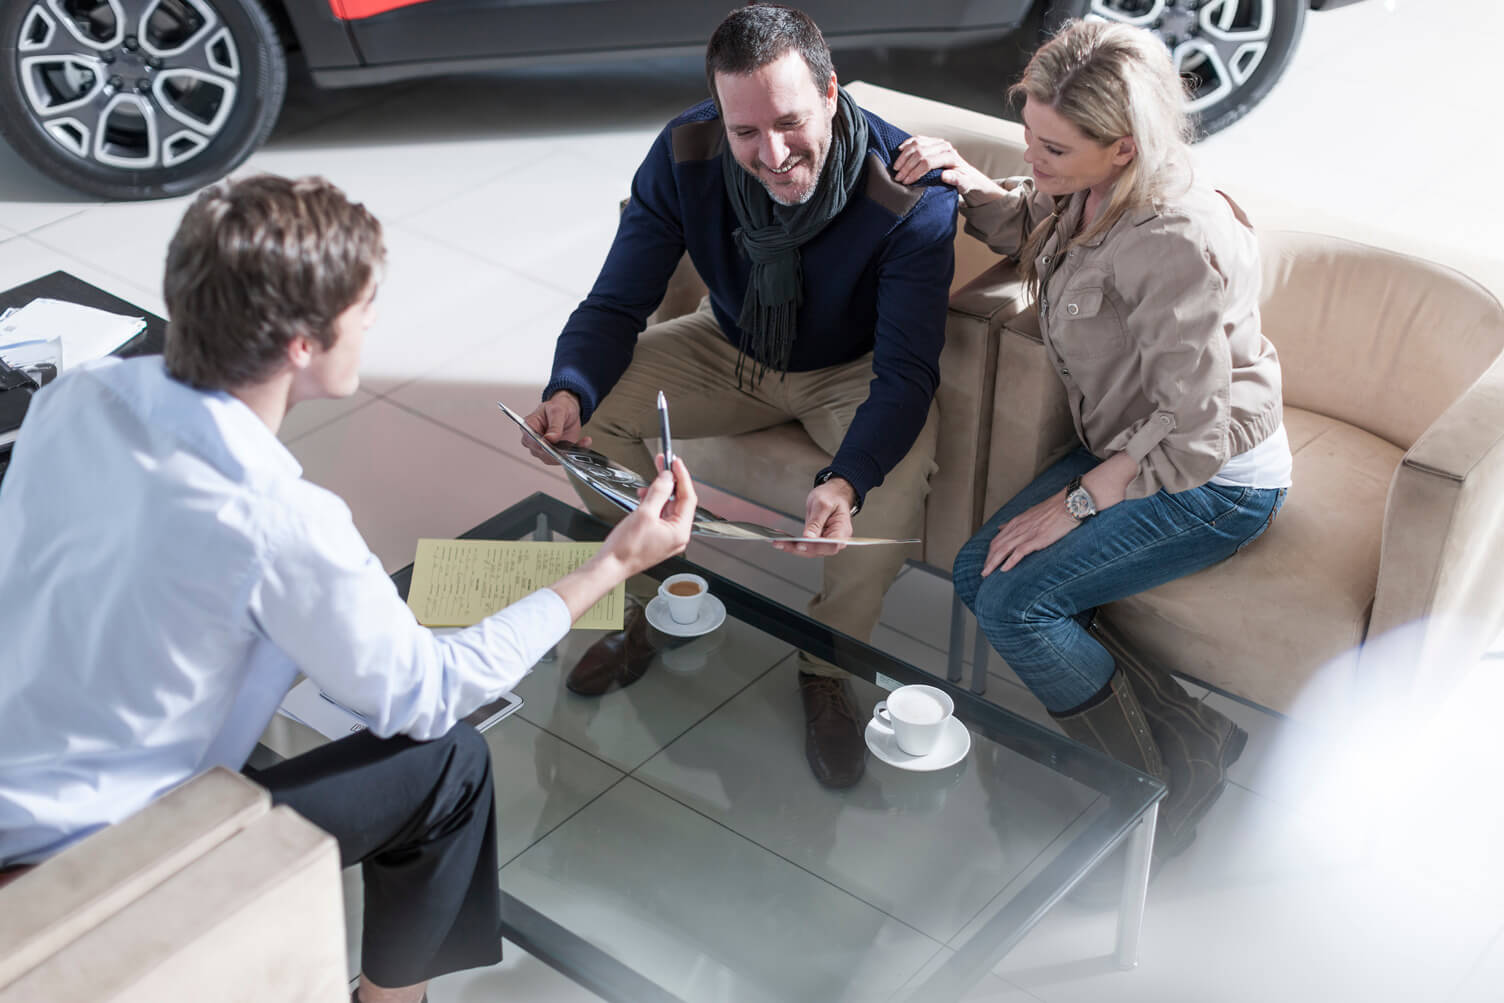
(668, 440)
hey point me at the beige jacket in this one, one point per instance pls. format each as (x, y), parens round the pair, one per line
(1153, 327)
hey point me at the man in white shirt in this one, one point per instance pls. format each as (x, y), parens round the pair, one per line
(165, 573)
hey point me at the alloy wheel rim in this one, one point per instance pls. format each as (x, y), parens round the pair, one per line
(128, 84)
(1217, 44)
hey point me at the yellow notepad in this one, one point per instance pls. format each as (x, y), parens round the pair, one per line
(460, 582)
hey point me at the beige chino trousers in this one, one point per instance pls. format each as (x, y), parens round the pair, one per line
(690, 360)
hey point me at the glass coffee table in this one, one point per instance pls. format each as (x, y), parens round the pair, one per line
(667, 841)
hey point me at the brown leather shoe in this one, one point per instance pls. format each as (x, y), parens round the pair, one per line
(832, 738)
(620, 658)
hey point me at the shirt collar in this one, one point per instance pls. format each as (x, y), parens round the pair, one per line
(213, 424)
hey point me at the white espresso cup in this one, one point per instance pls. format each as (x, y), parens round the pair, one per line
(916, 716)
(684, 594)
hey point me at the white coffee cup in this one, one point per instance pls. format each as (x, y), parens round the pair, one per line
(684, 595)
(916, 716)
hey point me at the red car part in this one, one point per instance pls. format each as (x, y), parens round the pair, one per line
(354, 10)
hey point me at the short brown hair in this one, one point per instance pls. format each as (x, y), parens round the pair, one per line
(753, 36)
(255, 263)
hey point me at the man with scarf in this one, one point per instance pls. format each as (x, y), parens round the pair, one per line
(828, 283)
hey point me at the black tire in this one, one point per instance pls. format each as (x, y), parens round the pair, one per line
(1288, 21)
(248, 57)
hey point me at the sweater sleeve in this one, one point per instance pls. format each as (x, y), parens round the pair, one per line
(913, 291)
(596, 345)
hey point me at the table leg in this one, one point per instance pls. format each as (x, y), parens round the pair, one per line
(1135, 887)
(979, 654)
(957, 638)
(543, 534)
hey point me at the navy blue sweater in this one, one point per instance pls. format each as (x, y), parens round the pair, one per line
(876, 279)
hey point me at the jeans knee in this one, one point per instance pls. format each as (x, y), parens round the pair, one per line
(966, 573)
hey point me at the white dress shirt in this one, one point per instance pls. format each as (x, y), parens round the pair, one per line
(165, 573)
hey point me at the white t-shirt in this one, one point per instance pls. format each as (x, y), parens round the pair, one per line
(1267, 465)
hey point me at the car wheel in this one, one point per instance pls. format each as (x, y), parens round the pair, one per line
(138, 99)
(1231, 52)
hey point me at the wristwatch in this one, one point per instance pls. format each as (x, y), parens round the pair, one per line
(825, 475)
(1078, 501)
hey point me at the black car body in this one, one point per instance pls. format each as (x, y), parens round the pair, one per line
(151, 98)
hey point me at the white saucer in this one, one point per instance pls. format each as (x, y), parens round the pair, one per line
(955, 742)
(712, 615)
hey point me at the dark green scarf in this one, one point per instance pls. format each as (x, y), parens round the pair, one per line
(770, 235)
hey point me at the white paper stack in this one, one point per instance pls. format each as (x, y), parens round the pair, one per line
(84, 332)
(306, 704)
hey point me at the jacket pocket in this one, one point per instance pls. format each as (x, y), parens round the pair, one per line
(1086, 325)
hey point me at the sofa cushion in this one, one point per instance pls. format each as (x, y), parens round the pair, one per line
(1262, 623)
(774, 467)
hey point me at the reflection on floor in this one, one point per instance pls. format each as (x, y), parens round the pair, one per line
(1330, 870)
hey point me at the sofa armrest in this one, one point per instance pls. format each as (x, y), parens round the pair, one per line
(1031, 419)
(84, 885)
(1444, 542)
(969, 366)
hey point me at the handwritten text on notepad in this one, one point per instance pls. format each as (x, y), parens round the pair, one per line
(460, 582)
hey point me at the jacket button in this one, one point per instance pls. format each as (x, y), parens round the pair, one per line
(1072, 309)
(1047, 258)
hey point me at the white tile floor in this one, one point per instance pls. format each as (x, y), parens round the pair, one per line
(1331, 870)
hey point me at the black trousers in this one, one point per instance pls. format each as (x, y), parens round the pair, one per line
(420, 819)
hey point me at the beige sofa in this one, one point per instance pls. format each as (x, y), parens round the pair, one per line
(207, 894)
(1394, 398)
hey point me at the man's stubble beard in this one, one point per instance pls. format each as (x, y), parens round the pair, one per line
(787, 202)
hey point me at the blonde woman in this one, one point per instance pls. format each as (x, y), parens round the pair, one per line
(1147, 285)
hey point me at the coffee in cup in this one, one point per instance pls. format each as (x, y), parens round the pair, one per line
(916, 717)
(684, 595)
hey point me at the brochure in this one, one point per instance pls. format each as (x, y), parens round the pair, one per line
(619, 485)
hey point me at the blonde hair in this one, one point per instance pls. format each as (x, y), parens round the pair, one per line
(1111, 81)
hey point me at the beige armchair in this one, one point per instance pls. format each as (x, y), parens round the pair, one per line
(208, 893)
(1394, 404)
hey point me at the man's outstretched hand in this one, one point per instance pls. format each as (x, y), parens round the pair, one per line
(557, 420)
(656, 531)
(827, 518)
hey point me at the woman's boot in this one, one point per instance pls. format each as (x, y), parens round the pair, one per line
(1197, 745)
(1114, 723)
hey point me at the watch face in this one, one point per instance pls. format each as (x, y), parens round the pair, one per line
(1079, 504)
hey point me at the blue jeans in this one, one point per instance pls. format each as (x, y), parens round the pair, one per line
(1029, 613)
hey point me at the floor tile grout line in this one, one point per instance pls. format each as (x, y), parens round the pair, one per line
(466, 435)
(711, 713)
(408, 224)
(792, 863)
(334, 418)
(61, 219)
(622, 775)
(631, 772)
(1496, 941)
(74, 259)
(1025, 869)
(483, 182)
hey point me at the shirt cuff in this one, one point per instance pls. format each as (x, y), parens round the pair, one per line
(553, 616)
